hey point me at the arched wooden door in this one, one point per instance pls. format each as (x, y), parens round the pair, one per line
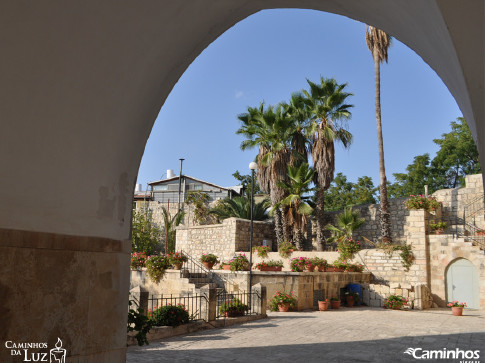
(462, 283)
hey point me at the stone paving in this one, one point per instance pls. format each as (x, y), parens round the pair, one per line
(359, 334)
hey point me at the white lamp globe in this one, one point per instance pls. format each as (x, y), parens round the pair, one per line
(253, 165)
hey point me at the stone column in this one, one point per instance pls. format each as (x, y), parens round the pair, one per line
(68, 287)
(209, 313)
(261, 291)
(416, 235)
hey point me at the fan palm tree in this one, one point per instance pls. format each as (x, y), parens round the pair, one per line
(347, 223)
(240, 207)
(169, 224)
(269, 129)
(378, 43)
(298, 208)
(326, 103)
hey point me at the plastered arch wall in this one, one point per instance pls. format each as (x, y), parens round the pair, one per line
(443, 252)
(81, 84)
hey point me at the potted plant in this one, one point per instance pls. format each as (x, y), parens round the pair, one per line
(354, 267)
(439, 227)
(422, 202)
(480, 232)
(319, 263)
(156, 266)
(262, 251)
(177, 259)
(282, 301)
(209, 260)
(323, 305)
(232, 308)
(239, 263)
(395, 302)
(457, 307)
(335, 302)
(270, 265)
(138, 260)
(339, 266)
(351, 298)
(297, 264)
(286, 249)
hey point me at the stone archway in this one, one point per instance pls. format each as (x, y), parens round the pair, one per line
(81, 85)
(462, 283)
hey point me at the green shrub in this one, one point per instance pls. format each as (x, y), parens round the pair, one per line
(169, 315)
(234, 306)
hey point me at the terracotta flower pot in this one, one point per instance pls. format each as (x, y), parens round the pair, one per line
(335, 304)
(226, 266)
(177, 266)
(268, 268)
(232, 314)
(350, 301)
(322, 305)
(284, 307)
(438, 231)
(457, 310)
(310, 268)
(321, 268)
(208, 265)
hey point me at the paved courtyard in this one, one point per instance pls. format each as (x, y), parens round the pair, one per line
(358, 334)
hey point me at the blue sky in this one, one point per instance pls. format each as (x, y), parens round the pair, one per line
(268, 56)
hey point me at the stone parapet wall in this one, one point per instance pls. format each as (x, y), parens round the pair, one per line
(223, 239)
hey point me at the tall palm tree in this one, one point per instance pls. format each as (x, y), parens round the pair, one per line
(269, 129)
(326, 103)
(299, 210)
(378, 43)
(240, 207)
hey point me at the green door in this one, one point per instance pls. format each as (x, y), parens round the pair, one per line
(462, 283)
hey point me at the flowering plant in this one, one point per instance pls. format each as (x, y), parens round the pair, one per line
(286, 249)
(156, 266)
(317, 261)
(456, 304)
(347, 247)
(282, 298)
(395, 302)
(299, 263)
(354, 294)
(239, 263)
(334, 298)
(421, 202)
(339, 264)
(169, 315)
(177, 258)
(270, 263)
(354, 267)
(262, 251)
(209, 258)
(138, 260)
(438, 226)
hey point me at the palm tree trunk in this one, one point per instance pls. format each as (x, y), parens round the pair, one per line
(320, 220)
(298, 238)
(385, 216)
(285, 225)
(278, 227)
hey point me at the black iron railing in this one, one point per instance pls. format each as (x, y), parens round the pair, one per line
(197, 305)
(249, 303)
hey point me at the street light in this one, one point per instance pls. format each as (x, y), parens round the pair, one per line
(253, 166)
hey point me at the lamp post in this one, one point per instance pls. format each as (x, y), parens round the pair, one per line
(253, 166)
